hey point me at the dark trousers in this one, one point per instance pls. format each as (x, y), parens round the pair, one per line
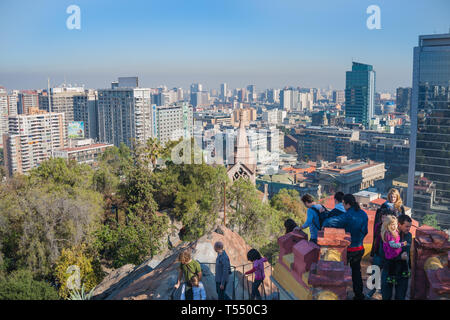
(221, 295)
(255, 291)
(354, 260)
(401, 287)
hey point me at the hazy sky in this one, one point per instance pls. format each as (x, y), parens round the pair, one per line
(267, 43)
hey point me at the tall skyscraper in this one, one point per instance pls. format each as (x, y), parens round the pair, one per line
(286, 99)
(360, 93)
(403, 100)
(223, 91)
(429, 160)
(116, 116)
(32, 138)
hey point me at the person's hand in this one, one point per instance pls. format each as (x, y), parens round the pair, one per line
(404, 256)
(405, 243)
(176, 285)
(221, 287)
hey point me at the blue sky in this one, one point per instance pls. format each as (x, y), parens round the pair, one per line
(267, 43)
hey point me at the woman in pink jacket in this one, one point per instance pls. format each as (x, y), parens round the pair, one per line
(258, 268)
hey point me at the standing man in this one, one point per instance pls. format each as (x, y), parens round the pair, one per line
(354, 221)
(404, 226)
(223, 271)
(312, 216)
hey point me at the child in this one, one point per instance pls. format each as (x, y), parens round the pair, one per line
(392, 248)
(258, 268)
(198, 290)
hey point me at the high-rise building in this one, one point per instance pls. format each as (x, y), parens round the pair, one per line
(223, 91)
(360, 93)
(69, 100)
(172, 122)
(339, 96)
(142, 114)
(32, 138)
(403, 100)
(3, 113)
(429, 161)
(127, 82)
(273, 95)
(286, 99)
(27, 99)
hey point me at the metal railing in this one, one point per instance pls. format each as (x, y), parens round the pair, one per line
(238, 274)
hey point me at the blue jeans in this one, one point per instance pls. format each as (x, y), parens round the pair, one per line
(386, 288)
(221, 295)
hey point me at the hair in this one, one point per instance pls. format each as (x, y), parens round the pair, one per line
(218, 245)
(307, 198)
(253, 255)
(350, 199)
(390, 219)
(184, 256)
(398, 203)
(195, 281)
(404, 218)
(339, 196)
(290, 224)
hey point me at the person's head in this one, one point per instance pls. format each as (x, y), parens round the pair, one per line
(308, 200)
(253, 255)
(389, 225)
(338, 197)
(194, 281)
(394, 197)
(218, 246)
(404, 223)
(350, 202)
(184, 257)
(290, 224)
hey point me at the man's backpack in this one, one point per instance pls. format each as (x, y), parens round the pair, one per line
(325, 214)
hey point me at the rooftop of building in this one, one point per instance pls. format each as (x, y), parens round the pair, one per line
(344, 166)
(81, 148)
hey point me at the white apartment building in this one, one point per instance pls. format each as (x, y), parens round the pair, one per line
(173, 122)
(31, 139)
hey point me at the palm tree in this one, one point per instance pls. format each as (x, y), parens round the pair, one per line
(152, 151)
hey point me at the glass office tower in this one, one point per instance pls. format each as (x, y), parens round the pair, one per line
(360, 93)
(429, 162)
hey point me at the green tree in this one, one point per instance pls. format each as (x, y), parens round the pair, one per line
(199, 198)
(89, 275)
(289, 203)
(131, 243)
(20, 285)
(46, 212)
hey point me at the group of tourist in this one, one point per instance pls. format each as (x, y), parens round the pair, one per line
(190, 270)
(390, 249)
(391, 244)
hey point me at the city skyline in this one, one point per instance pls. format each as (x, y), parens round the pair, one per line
(269, 44)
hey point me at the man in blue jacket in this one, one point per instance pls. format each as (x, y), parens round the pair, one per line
(354, 221)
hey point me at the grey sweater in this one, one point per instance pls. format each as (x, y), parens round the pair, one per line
(222, 268)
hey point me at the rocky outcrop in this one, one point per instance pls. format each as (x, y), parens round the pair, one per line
(155, 278)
